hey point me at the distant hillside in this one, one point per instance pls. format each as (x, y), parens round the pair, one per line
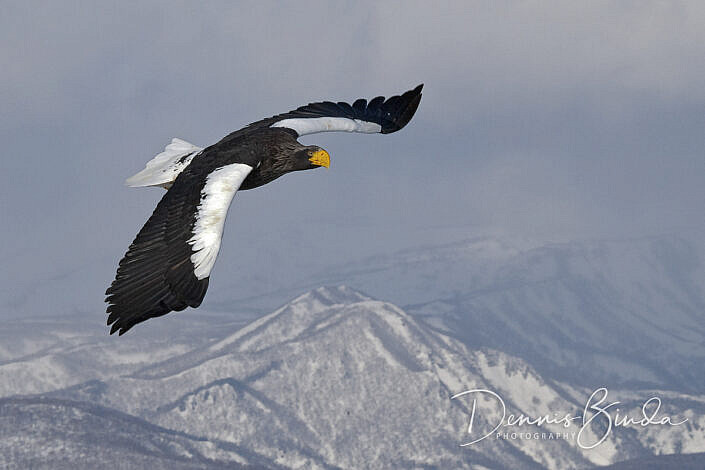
(633, 310)
(43, 433)
(661, 462)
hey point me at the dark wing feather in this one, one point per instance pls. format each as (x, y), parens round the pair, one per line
(391, 114)
(156, 275)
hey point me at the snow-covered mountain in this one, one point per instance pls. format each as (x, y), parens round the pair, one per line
(661, 462)
(335, 379)
(43, 433)
(627, 313)
(633, 309)
(38, 355)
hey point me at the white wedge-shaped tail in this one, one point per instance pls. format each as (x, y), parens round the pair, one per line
(163, 169)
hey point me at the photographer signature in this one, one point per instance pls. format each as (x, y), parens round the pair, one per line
(596, 411)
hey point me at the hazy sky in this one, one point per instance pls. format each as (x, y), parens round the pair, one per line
(546, 120)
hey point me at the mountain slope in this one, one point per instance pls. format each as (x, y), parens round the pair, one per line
(56, 434)
(662, 462)
(632, 309)
(335, 379)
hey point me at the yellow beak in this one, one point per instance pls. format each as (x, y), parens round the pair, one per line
(320, 158)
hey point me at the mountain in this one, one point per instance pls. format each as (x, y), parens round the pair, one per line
(58, 434)
(632, 308)
(335, 379)
(38, 355)
(662, 462)
(616, 313)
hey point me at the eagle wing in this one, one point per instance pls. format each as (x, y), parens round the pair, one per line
(167, 265)
(379, 115)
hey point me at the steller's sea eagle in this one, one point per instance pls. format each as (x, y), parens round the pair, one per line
(167, 266)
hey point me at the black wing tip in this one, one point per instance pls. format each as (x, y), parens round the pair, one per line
(117, 323)
(121, 319)
(418, 88)
(115, 327)
(392, 114)
(122, 323)
(403, 108)
(123, 314)
(416, 91)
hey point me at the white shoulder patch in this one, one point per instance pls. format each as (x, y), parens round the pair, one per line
(219, 190)
(304, 126)
(163, 169)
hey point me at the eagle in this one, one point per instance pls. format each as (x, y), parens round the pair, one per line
(168, 265)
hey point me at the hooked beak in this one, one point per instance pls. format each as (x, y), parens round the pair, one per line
(320, 158)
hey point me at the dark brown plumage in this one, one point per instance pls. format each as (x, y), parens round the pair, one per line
(167, 266)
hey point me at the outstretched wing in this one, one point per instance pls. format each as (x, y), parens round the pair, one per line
(167, 265)
(379, 115)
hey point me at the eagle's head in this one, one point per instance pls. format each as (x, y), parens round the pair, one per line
(311, 157)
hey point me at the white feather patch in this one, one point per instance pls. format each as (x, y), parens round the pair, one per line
(163, 169)
(304, 126)
(219, 190)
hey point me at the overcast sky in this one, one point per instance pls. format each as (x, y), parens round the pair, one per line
(544, 120)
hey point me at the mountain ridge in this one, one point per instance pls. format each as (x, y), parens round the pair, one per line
(336, 379)
(74, 434)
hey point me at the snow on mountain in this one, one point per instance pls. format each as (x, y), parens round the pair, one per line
(622, 314)
(44, 354)
(42, 433)
(335, 379)
(661, 462)
(633, 310)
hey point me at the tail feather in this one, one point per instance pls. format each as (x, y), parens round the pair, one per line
(163, 169)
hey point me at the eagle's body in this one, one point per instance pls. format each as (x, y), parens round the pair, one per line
(167, 266)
